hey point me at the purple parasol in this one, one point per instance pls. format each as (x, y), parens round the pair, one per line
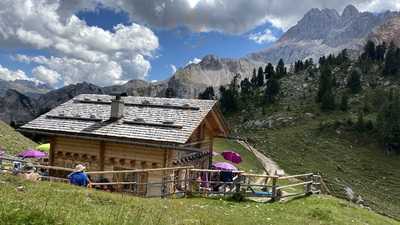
(232, 156)
(31, 153)
(224, 166)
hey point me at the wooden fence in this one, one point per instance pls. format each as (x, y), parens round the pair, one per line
(183, 181)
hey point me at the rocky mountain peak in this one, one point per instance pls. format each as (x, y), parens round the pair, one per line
(211, 62)
(350, 12)
(315, 25)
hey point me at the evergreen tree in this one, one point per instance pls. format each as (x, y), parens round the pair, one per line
(269, 71)
(208, 93)
(260, 77)
(245, 87)
(354, 81)
(381, 51)
(325, 82)
(344, 103)
(272, 90)
(170, 93)
(280, 69)
(254, 78)
(360, 125)
(392, 61)
(328, 101)
(388, 122)
(370, 50)
(229, 99)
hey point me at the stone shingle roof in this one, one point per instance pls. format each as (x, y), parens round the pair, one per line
(145, 118)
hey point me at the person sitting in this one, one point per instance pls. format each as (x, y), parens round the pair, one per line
(29, 173)
(79, 177)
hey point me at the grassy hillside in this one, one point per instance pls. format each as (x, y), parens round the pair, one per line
(249, 161)
(345, 159)
(12, 141)
(55, 203)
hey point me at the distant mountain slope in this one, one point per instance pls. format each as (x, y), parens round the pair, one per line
(321, 32)
(15, 106)
(59, 96)
(138, 88)
(211, 71)
(25, 87)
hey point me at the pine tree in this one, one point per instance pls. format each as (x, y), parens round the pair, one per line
(245, 87)
(354, 81)
(280, 69)
(370, 50)
(388, 122)
(360, 125)
(325, 82)
(344, 103)
(272, 90)
(254, 78)
(328, 101)
(260, 77)
(170, 93)
(269, 71)
(392, 61)
(381, 51)
(208, 93)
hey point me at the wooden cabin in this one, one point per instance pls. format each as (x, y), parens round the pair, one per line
(126, 133)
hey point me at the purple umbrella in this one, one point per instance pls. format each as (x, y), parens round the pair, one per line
(31, 153)
(232, 156)
(224, 166)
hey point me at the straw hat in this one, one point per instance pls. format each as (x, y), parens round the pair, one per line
(79, 168)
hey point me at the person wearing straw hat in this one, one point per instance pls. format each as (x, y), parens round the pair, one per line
(79, 177)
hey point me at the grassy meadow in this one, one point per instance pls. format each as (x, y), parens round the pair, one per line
(55, 203)
(343, 158)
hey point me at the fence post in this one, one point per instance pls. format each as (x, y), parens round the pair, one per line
(274, 189)
(308, 186)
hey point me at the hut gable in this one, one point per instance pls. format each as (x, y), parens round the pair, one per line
(144, 118)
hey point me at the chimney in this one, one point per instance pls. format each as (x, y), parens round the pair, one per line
(117, 108)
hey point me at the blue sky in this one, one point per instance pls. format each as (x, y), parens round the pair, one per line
(180, 45)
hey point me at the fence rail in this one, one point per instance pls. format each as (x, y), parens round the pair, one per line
(188, 180)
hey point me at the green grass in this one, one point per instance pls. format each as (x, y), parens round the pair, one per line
(249, 161)
(55, 203)
(343, 158)
(12, 141)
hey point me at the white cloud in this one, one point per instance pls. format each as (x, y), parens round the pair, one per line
(263, 37)
(173, 69)
(46, 75)
(232, 16)
(194, 61)
(77, 70)
(51, 25)
(11, 75)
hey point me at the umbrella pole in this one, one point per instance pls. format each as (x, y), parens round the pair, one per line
(210, 154)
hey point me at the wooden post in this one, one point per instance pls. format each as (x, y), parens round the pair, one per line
(308, 189)
(52, 150)
(274, 189)
(210, 154)
(52, 154)
(102, 155)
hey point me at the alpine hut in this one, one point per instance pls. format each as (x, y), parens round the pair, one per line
(109, 133)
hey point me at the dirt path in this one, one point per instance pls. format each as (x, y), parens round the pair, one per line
(270, 166)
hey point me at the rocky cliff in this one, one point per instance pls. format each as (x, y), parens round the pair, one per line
(322, 32)
(211, 71)
(389, 31)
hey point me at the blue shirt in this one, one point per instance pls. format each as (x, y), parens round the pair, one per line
(78, 178)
